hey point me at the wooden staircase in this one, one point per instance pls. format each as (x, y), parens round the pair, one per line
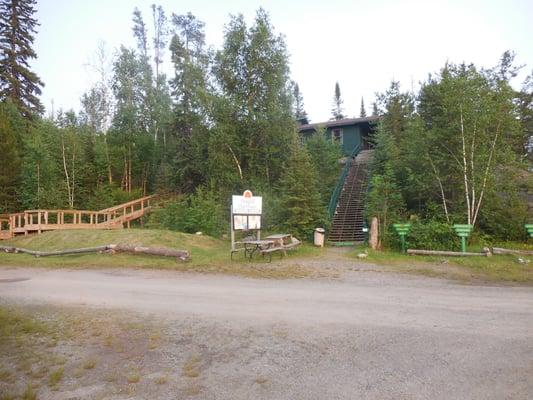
(348, 220)
(31, 221)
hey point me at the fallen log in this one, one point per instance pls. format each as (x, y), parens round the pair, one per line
(443, 253)
(36, 253)
(498, 250)
(181, 255)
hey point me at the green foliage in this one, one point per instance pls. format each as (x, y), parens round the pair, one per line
(199, 212)
(325, 155)
(300, 208)
(432, 235)
(460, 148)
(385, 202)
(255, 125)
(362, 111)
(299, 111)
(17, 82)
(10, 123)
(337, 108)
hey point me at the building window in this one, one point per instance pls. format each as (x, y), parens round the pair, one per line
(336, 135)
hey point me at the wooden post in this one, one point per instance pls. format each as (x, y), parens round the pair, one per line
(46, 217)
(39, 222)
(374, 234)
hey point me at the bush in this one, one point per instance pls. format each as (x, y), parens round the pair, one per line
(431, 235)
(106, 196)
(200, 211)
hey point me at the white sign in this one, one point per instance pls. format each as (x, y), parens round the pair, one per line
(247, 205)
(246, 222)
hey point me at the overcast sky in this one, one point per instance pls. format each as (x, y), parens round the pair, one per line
(361, 44)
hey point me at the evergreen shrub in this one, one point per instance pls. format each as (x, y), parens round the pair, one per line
(199, 212)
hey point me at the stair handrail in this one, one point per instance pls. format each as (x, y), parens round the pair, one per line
(129, 203)
(340, 183)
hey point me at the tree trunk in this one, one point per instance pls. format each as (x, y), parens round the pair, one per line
(182, 255)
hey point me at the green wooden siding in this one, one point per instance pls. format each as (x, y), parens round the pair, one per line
(351, 136)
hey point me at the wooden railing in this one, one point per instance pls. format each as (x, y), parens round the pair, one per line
(44, 220)
(5, 227)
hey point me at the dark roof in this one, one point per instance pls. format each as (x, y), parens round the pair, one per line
(339, 122)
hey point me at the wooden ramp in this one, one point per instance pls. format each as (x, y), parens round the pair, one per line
(31, 221)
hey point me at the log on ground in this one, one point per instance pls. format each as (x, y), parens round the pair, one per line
(181, 255)
(443, 253)
(36, 253)
(498, 250)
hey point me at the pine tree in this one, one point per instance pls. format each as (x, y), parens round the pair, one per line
(300, 205)
(10, 123)
(337, 103)
(375, 110)
(362, 113)
(17, 81)
(299, 111)
(325, 155)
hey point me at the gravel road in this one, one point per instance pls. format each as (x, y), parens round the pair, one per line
(366, 335)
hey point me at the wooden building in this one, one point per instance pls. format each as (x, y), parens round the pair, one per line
(349, 132)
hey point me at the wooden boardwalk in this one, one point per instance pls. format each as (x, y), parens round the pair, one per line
(31, 221)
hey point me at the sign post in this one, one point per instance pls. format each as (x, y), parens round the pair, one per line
(246, 211)
(402, 230)
(463, 231)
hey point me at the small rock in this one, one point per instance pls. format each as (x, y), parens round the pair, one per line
(522, 260)
(199, 233)
(362, 255)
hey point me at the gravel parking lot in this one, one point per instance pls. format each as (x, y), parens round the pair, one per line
(367, 334)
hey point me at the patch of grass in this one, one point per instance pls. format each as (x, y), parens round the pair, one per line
(161, 380)
(55, 377)
(89, 363)
(498, 268)
(208, 255)
(193, 390)
(108, 341)
(191, 368)
(6, 375)
(111, 377)
(29, 394)
(133, 377)
(15, 325)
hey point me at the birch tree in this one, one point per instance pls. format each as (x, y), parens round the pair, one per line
(471, 124)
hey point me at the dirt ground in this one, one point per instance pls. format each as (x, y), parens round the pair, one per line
(357, 332)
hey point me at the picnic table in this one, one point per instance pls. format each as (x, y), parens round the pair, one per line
(280, 242)
(250, 246)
